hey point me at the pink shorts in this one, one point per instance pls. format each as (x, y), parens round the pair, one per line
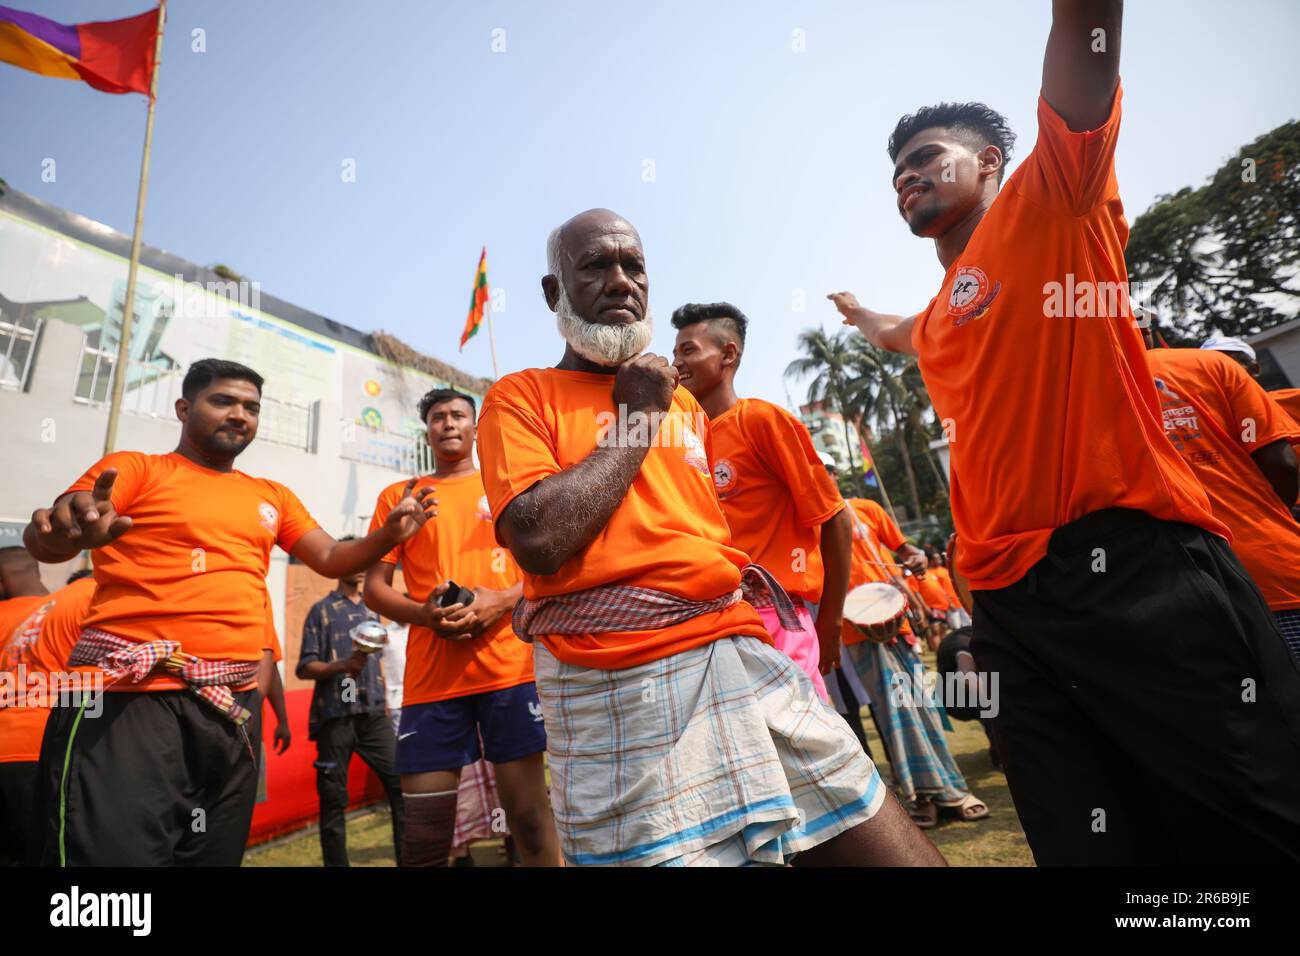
(800, 646)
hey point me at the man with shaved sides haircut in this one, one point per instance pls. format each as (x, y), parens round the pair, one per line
(1107, 599)
(178, 624)
(677, 734)
(784, 509)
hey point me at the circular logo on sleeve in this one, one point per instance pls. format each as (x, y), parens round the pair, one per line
(971, 294)
(268, 516)
(724, 477)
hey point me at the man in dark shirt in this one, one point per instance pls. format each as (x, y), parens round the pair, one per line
(347, 713)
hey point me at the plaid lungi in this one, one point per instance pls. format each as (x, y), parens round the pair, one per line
(476, 803)
(913, 735)
(699, 752)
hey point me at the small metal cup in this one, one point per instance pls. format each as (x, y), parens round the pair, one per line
(369, 637)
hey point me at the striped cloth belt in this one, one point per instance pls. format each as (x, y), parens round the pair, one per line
(210, 681)
(623, 608)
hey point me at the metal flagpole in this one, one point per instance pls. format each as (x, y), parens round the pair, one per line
(487, 307)
(128, 305)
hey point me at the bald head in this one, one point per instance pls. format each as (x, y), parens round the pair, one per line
(598, 288)
(20, 574)
(579, 230)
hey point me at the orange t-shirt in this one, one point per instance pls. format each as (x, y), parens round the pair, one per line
(945, 581)
(1216, 415)
(458, 545)
(193, 565)
(1050, 417)
(775, 492)
(931, 590)
(873, 530)
(14, 629)
(1289, 400)
(668, 533)
(48, 635)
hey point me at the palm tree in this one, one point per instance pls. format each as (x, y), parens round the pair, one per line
(886, 391)
(826, 359)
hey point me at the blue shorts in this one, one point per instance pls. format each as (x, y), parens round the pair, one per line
(444, 734)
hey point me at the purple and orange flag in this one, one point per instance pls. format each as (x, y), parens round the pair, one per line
(115, 56)
(477, 302)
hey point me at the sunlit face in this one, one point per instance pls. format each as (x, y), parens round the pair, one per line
(701, 355)
(451, 429)
(222, 419)
(939, 179)
(601, 296)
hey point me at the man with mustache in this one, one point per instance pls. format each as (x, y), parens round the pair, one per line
(178, 624)
(677, 734)
(468, 678)
(1146, 693)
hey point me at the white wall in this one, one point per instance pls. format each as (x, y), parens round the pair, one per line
(47, 441)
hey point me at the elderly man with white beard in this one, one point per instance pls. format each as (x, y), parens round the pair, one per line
(677, 734)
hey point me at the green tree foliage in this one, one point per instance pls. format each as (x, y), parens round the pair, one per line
(1225, 256)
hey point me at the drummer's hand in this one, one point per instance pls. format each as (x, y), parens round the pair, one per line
(828, 640)
(915, 561)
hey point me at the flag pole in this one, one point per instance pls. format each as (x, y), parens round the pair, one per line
(128, 304)
(492, 339)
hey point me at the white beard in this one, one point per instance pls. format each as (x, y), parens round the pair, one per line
(603, 344)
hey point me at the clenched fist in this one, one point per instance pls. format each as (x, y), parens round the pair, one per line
(645, 383)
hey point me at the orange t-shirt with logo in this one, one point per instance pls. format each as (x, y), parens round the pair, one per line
(873, 530)
(1216, 416)
(1050, 417)
(775, 492)
(459, 544)
(193, 566)
(668, 533)
(48, 635)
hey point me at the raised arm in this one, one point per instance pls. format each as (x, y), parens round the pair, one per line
(893, 333)
(336, 559)
(76, 520)
(559, 516)
(1081, 66)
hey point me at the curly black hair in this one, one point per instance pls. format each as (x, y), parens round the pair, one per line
(439, 395)
(980, 125)
(693, 312)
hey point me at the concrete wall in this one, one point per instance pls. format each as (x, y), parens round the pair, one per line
(47, 440)
(1285, 347)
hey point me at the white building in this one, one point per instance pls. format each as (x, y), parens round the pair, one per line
(339, 420)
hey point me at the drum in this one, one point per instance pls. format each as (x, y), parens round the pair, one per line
(959, 582)
(369, 637)
(872, 604)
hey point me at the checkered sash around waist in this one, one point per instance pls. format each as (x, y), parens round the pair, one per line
(210, 681)
(622, 608)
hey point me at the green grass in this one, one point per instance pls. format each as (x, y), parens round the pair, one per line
(370, 843)
(996, 840)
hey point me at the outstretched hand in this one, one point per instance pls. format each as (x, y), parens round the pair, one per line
(85, 518)
(412, 511)
(848, 306)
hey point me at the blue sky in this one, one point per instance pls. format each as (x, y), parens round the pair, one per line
(770, 179)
